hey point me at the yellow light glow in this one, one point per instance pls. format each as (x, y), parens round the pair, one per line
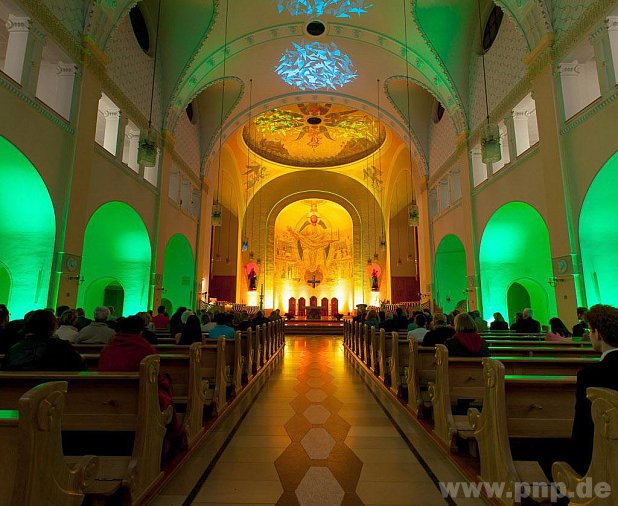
(252, 298)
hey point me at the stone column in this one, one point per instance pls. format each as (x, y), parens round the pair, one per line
(65, 81)
(604, 40)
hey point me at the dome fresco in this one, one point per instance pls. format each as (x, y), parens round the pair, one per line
(314, 135)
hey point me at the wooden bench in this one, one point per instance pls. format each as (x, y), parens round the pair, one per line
(400, 354)
(34, 471)
(602, 466)
(107, 403)
(533, 407)
(462, 378)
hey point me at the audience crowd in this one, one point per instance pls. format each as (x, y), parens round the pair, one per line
(43, 341)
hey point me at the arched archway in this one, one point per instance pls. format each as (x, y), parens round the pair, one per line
(450, 273)
(179, 272)
(598, 236)
(515, 248)
(116, 250)
(27, 232)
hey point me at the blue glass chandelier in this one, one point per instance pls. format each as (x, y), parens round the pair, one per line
(317, 8)
(316, 66)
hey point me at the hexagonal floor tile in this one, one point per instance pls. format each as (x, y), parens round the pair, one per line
(316, 414)
(319, 487)
(316, 395)
(318, 444)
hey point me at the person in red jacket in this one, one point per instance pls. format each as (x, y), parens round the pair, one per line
(124, 354)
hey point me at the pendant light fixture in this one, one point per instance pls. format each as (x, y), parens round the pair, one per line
(490, 132)
(147, 150)
(381, 188)
(216, 206)
(245, 240)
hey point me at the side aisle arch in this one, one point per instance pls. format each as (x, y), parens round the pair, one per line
(116, 260)
(598, 236)
(515, 249)
(27, 233)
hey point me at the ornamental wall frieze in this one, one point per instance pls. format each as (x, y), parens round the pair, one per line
(16, 90)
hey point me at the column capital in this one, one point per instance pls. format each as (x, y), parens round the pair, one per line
(18, 24)
(66, 69)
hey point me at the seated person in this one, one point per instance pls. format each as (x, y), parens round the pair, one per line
(558, 331)
(39, 350)
(243, 322)
(161, 321)
(148, 330)
(372, 320)
(603, 323)
(176, 323)
(258, 319)
(67, 329)
(440, 333)
(527, 324)
(82, 321)
(420, 320)
(400, 319)
(466, 342)
(98, 332)
(192, 331)
(579, 329)
(124, 354)
(208, 323)
(223, 328)
(499, 323)
(6, 338)
(515, 324)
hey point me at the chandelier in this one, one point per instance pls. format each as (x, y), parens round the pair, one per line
(316, 66)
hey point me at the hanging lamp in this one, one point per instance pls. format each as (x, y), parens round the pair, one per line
(216, 206)
(147, 149)
(490, 132)
(245, 240)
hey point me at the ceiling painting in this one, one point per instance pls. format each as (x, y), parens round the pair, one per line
(314, 135)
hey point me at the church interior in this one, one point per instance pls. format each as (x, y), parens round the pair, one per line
(287, 197)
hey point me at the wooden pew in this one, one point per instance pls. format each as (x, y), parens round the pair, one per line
(519, 407)
(373, 350)
(246, 340)
(385, 347)
(455, 379)
(400, 350)
(421, 372)
(462, 378)
(602, 466)
(109, 402)
(366, 345)
(34, 471)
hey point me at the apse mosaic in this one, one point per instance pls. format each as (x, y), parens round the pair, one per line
(316, 66)
(314, 135)
(313, 251)
(317, 8)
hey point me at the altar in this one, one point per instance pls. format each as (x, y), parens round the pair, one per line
(314, 313)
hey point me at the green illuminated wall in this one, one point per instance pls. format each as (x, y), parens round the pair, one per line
(450, 273)
(178, 272)
(598, 236)
(515, 249)
(116, 250)
(27, 233)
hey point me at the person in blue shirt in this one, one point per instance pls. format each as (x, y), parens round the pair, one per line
(224, 326)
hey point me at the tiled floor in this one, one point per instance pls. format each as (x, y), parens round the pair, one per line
(317, 436)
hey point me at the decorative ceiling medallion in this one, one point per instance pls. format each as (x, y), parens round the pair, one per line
(314, 135)
(337, 8)
(316, 66)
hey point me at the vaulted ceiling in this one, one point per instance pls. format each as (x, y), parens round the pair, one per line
(397, 78)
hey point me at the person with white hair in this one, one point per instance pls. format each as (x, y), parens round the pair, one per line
(527, 324)
(98, 332)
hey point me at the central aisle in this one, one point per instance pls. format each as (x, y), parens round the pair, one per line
(317, 436)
